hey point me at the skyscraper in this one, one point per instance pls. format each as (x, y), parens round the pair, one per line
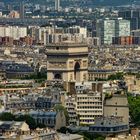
(22, 10)
(107, 29)
(57, 5)
(122, 27)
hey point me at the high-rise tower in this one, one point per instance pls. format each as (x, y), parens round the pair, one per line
(22, 10)
(57, 5)
(109, 28)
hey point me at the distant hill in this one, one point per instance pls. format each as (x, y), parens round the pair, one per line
(94, 2)
(112, 2)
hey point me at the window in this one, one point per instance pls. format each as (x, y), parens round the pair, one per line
(57, 48)
(71, 77)
(134, 82)
(84, 76)
(49, 121)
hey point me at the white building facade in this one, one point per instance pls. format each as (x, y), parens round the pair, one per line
(13, 31)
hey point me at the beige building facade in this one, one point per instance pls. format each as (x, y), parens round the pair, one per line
(133, 83)
(89, 103)
(89, 106)
(67, 61)
(117, 106)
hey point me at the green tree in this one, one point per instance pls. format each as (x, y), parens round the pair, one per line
(62, 108)
(117, 76)
(89, 136)
(108, 95)
(134, 109)
(37, 76)
(100, 138)
(7, 117)
(28, 119)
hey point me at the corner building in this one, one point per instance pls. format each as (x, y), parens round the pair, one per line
(67, 62)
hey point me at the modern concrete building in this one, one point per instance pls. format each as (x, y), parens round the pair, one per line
(76, 30)
(47, 35)
(67, 61)
(40, 34)
(108, 28)
(71, 108)
(132, 15)
(122, 27)
(13, 31)
(89, 104)
(135, 33)
(105, 30)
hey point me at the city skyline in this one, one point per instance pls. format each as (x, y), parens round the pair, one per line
(94, 2)
(70, 70)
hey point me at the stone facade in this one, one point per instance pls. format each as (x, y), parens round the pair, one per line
(68, 62)
(117, 106)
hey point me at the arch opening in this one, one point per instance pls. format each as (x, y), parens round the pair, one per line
(77, 71)
(57, 76)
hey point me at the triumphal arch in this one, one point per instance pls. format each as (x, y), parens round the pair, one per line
(67, 61)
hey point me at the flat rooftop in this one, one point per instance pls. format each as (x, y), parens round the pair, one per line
(66, 44)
